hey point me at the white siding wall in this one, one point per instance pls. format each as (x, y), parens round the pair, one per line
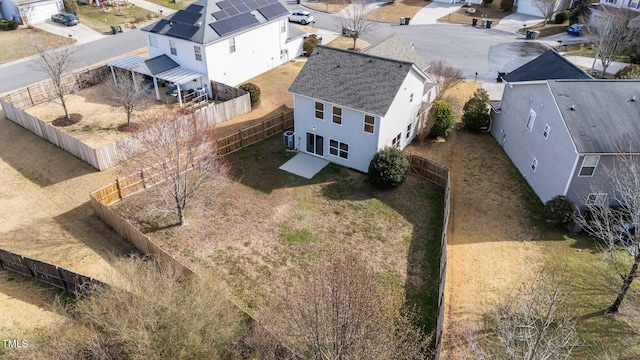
(402, 112)
(185, 56)
(257, 51)
(362, 145)
(555, 155)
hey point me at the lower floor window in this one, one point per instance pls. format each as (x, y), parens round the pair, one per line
(597, 199)
(338, 148)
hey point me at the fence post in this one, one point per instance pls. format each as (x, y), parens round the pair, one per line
(119, 190)
(30, 97)
(144, 184)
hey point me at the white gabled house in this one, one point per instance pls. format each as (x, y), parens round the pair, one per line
(349, 105)
(227, 41)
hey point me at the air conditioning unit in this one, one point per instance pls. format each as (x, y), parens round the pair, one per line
(288, 139)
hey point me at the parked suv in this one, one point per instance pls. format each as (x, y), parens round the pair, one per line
(301, 16)
(65, 18)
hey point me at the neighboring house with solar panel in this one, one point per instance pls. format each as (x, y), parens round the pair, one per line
(561, 134)
(348, 105)
(228, 41)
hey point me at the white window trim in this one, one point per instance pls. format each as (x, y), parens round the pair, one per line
(315, 110)
(232, 45)
(339, 149)
(283, 26)
(531, 120)
(364, 124)
(197, 52)
(333, 115)
(534, 164)
(409, 128)
(547, 130)
(582, 166)
(153, 41)
(395, 142)
(599, 199)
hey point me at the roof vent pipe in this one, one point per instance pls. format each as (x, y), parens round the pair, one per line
(633, 98)
(573, 108)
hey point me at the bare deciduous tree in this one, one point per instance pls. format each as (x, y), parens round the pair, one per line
(445, 76)
(150, 311)
(181, 159)
(617, 226)
(612, 34)
(337, 313)
(549, 7)
(127, 89)
(56, 63)
(529, 324)
(26, 14)
(353, 19)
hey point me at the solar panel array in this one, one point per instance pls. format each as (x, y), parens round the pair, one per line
(233, 24)
(182, 31)
(229, 8)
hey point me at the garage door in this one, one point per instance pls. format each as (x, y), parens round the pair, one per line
(43, 11)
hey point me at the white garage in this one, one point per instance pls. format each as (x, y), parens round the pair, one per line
(39, 10)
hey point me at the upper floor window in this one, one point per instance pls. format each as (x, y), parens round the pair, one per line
(337, 115)
(197, 50)
(534, 164)
(319, 110)
(396, 141)
(411, 97)
(409, 131)
(153, 41)
(172, 46)
(546, 131)
(283, 26)
(232, 45)
(589, 164)
(531, 119)
(369, 124)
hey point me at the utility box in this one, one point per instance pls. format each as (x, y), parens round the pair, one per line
(402, 21)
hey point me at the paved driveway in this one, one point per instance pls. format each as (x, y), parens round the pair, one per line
(82, 33)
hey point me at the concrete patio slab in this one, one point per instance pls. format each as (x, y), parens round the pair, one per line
(304, 165)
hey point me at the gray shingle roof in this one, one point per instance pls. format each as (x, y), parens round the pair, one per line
(548, 66)
(351, 79)
(197, 22)
(393, 47)
(604, 118)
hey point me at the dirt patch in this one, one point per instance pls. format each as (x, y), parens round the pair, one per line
(63, 121)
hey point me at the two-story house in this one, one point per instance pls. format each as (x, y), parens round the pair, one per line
(349, 105)
(229, 41)
(563, 135)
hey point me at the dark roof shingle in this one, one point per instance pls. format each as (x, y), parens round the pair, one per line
(351, 79)
(601, 115)
(549, 66)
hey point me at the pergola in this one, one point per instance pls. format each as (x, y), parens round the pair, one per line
(160, 67)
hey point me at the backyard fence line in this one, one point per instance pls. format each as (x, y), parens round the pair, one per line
(69, 281)
(439, 175)
(45, 90)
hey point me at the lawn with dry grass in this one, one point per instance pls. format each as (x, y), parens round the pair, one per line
(392, 11)
(16, 44)
(464, 16)
(101, 18)
(173, 4)
(328, 6)
(346, 43)
(269, 225)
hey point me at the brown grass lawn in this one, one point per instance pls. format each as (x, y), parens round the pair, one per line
(391, 12)
(550, 29)
(262, 231)
(16, 43)
(342, 42)
(176, 5)
(330, 6)
(100, 19)
(491, 11)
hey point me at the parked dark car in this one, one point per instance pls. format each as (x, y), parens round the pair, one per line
(575, 29)
(65, 18)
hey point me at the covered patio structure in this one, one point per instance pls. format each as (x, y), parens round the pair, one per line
(162, 69)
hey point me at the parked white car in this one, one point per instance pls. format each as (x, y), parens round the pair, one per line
(301, 16)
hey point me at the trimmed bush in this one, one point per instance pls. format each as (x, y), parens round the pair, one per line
(560, 210)
(631, 71)
(71, 6)
(310, 44)
(443, 117)
(476, 114)
(8, 24)
(388, 168)
(253, 90)
(562, 17)
(506, 5)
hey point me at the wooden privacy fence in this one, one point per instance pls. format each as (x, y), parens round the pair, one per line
(255, 133)
(45, 90)
(439, 175)
(64, 279)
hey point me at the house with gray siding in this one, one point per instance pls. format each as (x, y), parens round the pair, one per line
(349, 105)
(563, 135)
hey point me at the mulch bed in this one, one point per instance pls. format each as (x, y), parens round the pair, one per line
(64, 121)
(132, 127)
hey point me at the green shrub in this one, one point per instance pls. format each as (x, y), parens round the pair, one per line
(562, 17)
(486, 2)
(631, 71)
(388, 168)
(476, 115)
(560, 210)
(443, 117)
(506, 5)
(8, 24)
(71, 6)
(581, 9)
(254, 92)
